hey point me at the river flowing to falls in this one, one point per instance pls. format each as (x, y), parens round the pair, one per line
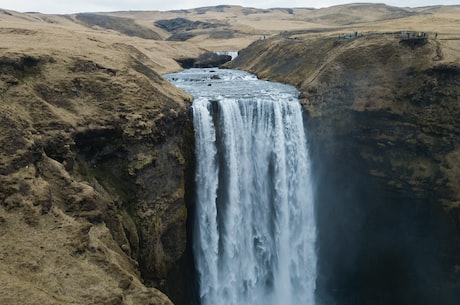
(254, 232)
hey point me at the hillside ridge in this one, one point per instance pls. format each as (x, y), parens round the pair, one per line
(96, 164)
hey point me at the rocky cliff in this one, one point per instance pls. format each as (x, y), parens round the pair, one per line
(92, 169)
(96, 149)
(383, 117)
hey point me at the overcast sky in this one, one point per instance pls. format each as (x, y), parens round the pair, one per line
(75, 6)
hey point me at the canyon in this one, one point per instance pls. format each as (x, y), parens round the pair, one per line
(97, 158)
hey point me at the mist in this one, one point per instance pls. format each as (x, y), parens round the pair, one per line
(377, 244)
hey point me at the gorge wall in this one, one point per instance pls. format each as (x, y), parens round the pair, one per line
(92, 179)
(96, 154)
(383, 122)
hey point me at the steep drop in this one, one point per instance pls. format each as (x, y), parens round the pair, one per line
(254, 238)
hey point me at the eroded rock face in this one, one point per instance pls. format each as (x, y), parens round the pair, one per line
(383, 126)
(205, 60)
(92, 180)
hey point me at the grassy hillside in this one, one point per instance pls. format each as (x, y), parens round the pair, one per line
(383, 119)
(97, 148)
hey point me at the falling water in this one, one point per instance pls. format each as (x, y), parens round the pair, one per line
(254, 239)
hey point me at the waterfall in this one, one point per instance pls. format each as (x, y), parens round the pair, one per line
(254, 233)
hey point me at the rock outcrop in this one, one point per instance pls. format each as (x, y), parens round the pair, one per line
(92, 172)
(383, 122)
(183, 29)
(205, 60)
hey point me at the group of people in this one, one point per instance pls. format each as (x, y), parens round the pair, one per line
(415, 35)
(349, 35)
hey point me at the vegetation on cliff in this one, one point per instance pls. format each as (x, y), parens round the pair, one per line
(383, 120)
(91, 170)
(96, 148)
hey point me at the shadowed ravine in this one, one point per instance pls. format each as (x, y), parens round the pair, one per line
(254, 233)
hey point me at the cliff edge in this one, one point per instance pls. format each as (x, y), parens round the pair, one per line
(383, 121)
(92, 166)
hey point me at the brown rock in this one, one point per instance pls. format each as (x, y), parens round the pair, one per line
(383, 120)
(90, 148)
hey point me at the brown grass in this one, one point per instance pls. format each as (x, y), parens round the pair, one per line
(22, 32)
